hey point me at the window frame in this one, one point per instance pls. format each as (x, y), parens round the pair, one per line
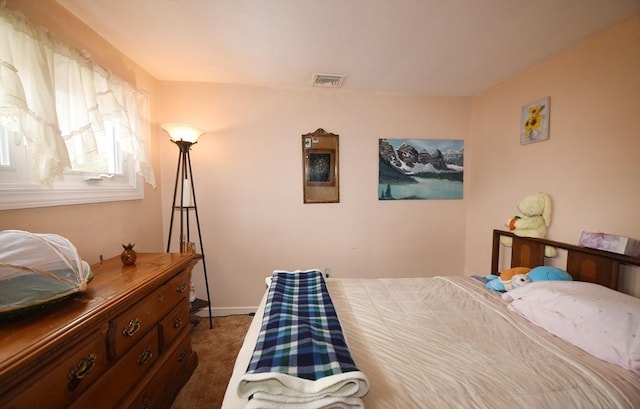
(19, 191)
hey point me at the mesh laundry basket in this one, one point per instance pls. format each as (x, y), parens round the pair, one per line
(37, 270)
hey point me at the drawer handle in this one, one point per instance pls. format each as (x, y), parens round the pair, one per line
(182, 355)
(145, 404)
(182, 287)
(132, 328)
(82, 368)
(145, 356)
(177, 322)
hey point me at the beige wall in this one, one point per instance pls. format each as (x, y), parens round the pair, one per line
(590, 165)
(248, 177)
(249, 183)
(94, 229)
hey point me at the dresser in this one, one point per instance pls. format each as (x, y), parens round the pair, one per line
(124, 343)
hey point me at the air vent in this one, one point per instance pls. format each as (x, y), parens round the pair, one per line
(328, 80)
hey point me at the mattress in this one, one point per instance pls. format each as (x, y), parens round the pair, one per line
(447, 342)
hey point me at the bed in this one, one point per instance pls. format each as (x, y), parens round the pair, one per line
(448, 342)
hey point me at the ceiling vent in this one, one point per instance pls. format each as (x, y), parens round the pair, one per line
(328, 80)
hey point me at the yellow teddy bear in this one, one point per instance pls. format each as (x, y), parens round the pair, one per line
(533, 220)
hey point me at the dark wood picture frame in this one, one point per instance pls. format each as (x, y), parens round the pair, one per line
(320, 158)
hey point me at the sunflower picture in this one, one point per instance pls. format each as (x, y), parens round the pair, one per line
(534, 122)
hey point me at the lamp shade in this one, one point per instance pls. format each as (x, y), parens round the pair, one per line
(182, 132)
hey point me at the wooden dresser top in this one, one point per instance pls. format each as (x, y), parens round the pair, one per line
(114, 288)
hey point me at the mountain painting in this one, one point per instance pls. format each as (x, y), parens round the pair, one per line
(420, 169)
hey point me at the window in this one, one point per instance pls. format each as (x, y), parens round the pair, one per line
(108, 175)
(70, 131)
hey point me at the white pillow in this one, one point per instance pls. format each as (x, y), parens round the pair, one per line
(601, 321)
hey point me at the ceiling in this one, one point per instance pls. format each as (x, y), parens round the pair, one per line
(434, 47)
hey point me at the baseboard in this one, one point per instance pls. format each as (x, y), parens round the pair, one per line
(221, 312)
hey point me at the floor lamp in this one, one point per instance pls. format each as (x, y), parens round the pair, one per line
(185, 136)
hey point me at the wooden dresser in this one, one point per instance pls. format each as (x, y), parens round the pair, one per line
(125, 342)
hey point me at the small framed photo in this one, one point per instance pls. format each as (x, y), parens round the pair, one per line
(534, 121)
(320, 167)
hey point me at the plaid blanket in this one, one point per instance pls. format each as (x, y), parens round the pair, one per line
(301, 351)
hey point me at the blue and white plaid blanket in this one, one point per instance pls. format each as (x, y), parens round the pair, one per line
(301, 356)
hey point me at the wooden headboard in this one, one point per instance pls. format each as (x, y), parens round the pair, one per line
(584, 264)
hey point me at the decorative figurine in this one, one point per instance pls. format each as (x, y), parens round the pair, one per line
(129, 255)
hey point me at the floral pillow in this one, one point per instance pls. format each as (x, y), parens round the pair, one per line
(601, 321)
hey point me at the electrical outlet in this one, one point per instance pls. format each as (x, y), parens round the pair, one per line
(327, 272)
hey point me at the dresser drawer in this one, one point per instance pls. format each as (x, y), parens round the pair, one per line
(130, 326)
(181, 359)
(81, 365)
(173, 325)
(125, 374)
(178, 287)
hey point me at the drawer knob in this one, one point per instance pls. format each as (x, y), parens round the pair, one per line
(82, 368)
(182, 287)
(132, 328)
(145, 356)
(182, 356)
(145, 404)
(177, 322)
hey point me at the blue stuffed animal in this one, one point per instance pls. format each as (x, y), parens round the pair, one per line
(547, 273)
(507, 279)
(493, 283)
(518, 276)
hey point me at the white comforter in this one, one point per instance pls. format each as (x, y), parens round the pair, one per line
(446, 342)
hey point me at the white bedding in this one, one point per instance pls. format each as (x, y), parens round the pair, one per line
(446, 342)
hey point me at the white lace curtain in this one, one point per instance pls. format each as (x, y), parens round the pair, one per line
(59, 99)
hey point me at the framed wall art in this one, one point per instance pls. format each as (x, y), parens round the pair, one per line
(320, 158)
(420, 169)
(534, 121)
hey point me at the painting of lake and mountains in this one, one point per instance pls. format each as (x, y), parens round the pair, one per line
(420, 169)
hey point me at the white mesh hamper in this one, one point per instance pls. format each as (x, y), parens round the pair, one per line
(37, 269)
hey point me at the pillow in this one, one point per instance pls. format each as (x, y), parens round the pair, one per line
(601, 321)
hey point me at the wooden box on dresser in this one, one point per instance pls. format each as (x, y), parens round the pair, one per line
(124, 343)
